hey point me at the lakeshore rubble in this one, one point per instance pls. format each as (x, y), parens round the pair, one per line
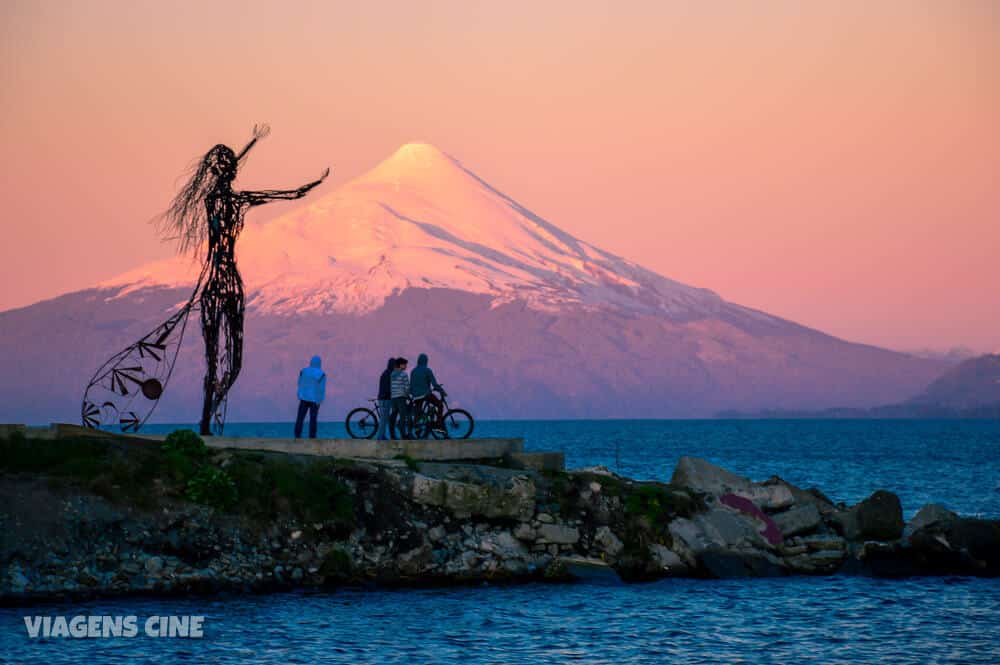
(391, 523)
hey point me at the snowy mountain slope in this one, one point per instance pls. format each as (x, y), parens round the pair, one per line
(421, 219)
(420, 255)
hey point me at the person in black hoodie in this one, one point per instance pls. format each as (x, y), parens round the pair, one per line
(385, 400)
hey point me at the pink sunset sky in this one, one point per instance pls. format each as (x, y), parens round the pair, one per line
(834, 163)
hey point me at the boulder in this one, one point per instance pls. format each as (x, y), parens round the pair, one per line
(732, 563)
(524, 531)
(507, 546)
(818, 562)
(717, 528)
(960, 546)
(827, 542)
(558, 534)
(932, 513)
(701, 476)
(765, 525)
(154, 565)
(608, 542)
(800, 519)
(666, 559)
(879, 517)
(514, 498)
(583, 568)
(797, 495)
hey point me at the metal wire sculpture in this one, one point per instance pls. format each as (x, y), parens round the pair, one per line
(126, 389)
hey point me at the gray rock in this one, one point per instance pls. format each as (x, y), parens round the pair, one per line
(608, 542)
(703, 476)
(523, 531)
(932, 513)
(800, 519)
(823, 561)
(666, 558)
(825, 542)
(879, 517)
(505, 498)
(545, 518)
(689, 536)
(153, 565)
(507, 546)
(734, 563)
(18, 580)
(558, 534)
(727, 528)
(585, 568)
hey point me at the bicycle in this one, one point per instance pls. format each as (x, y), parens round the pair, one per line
(362, 422)
(455, 424)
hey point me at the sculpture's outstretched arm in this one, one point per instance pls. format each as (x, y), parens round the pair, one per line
(265, 195)
(259, 132)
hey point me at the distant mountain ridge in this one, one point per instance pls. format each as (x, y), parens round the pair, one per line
(969, 390)
(971, 384)
(520, 318)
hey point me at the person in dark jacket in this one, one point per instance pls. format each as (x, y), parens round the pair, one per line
(400, 390)
(423, 383)
(385, 400)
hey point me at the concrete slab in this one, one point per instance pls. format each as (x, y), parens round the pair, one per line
(511, 449)
(427, 450)
(540, 461)
(447, 449)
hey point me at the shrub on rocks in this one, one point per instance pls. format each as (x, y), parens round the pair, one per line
(212, 487)
(185, 442)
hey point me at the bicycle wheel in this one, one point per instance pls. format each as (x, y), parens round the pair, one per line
(424, 421)
(421, 428)
(458, 424)
(361, 423)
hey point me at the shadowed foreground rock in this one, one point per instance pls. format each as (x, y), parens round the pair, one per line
(111, 517)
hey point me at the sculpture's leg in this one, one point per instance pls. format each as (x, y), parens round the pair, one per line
(231, 361)
(210, 320)
(234, 335)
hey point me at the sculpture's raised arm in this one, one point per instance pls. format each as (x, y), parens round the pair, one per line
(259, 132)
(263, 196)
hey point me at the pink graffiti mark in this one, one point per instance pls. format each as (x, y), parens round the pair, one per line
(771, 531)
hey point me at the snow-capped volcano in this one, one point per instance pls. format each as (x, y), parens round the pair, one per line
(420, 255)
(422, 219)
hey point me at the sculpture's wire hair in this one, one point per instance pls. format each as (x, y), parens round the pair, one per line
(186, 219)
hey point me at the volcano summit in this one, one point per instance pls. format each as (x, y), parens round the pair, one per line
(520, 318)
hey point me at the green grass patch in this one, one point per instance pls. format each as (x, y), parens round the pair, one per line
(141, 473)
(411, 464)
(270, 484)
(213, 487)
(659, 503)
(79, 458)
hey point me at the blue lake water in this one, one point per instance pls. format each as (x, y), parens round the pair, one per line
(828, 619)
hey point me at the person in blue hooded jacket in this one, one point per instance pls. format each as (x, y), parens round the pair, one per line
(312, 391)
(422, 386)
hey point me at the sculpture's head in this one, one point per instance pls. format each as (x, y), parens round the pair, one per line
(186, 219)
(222, 162)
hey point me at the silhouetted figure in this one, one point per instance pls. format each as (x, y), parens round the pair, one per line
(311, 393)
(400, 391)
(385, 401)
(423, 383)
(207, 211)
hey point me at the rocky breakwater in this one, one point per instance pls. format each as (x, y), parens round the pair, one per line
(106, 517)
